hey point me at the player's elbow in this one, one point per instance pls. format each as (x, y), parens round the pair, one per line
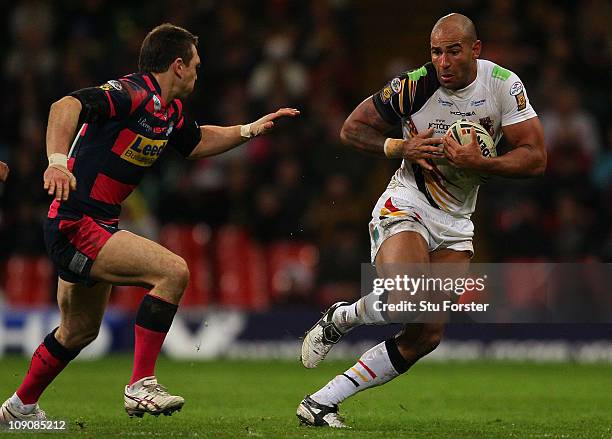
(539, 166)
(346, 132)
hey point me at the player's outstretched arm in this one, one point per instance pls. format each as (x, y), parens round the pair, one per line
(63, 121)
(217, 140)
(527, 158)
(364, 129)
(4, 171)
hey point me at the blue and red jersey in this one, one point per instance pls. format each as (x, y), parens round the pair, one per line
(126, 126)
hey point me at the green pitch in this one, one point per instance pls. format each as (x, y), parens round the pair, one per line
(227, 399)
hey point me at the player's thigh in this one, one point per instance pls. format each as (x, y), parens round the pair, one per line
(447, 263)
(403, 248)
(129, 259)
(82, 309)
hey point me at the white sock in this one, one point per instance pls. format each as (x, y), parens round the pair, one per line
(362, 312)
(20, 406)
(345, 317)
(373, 369)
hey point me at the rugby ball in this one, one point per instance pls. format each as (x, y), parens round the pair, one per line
(461, 131)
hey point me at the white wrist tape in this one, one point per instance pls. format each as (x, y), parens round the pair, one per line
(58, 159)
(245, 131)
(390, 149)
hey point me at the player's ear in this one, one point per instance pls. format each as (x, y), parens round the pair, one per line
(476, 48)
(177, 67)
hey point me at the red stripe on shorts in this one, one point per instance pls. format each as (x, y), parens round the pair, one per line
(53, 209)
(110, 191)
(86, 235)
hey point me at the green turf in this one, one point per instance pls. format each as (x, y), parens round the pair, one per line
(227, 399)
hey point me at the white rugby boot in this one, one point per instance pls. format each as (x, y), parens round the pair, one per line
(310, 412)
(11, 411)
(147, 396)
(319, 340)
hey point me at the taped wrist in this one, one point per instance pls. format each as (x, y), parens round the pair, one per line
(245, 131)
(393, 148)
(59, 159)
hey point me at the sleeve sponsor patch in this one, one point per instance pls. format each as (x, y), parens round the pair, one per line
(521, 101)
(392, 88)
(386, 93)
(516, 88)
(519, 94)
(110, 85)
(396, 85)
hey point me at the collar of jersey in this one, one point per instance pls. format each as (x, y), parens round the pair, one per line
(151, 81)
(465, 92)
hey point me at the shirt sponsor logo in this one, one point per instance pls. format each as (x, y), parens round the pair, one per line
(439, 125)
(462, 114)
(144, 151)
(477, 103)
(151, 129)
(445, 103)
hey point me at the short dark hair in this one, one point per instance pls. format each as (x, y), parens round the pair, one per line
(163, 45)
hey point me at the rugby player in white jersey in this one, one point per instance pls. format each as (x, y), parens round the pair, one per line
(423, 217)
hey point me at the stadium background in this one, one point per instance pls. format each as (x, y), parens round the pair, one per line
(276, 229)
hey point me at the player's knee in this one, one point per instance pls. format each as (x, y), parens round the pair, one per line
(179, 273)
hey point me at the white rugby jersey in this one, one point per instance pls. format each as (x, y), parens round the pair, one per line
(496, 98)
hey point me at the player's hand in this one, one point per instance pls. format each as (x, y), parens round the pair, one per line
(266, 123)
(418, 149)
(59, 181)
(4, 171)
(466, 156)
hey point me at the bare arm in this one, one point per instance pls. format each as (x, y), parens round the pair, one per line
(217, 140)
(526, 159)
(365, 128)
(528, 156)
(61, 128)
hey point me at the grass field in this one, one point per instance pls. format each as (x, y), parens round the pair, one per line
(258, 399)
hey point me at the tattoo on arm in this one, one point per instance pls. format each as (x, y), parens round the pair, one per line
(364, 129)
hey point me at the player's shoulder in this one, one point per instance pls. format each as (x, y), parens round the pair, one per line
(494, 74)
(135, 81)
(427, 72)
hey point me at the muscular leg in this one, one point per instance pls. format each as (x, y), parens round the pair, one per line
(395, 356)
(384, 361)
(128, 259)
(81, 310)
(419, 339)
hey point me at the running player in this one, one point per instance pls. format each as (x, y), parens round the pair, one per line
(125, 125)
(4, 171)
(424, 215)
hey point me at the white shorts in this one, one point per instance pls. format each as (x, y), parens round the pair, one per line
(402, 209)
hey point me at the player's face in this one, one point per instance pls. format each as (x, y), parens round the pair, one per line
(454, 59)
(189, 73)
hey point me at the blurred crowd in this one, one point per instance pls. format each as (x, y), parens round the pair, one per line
(300, 184)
